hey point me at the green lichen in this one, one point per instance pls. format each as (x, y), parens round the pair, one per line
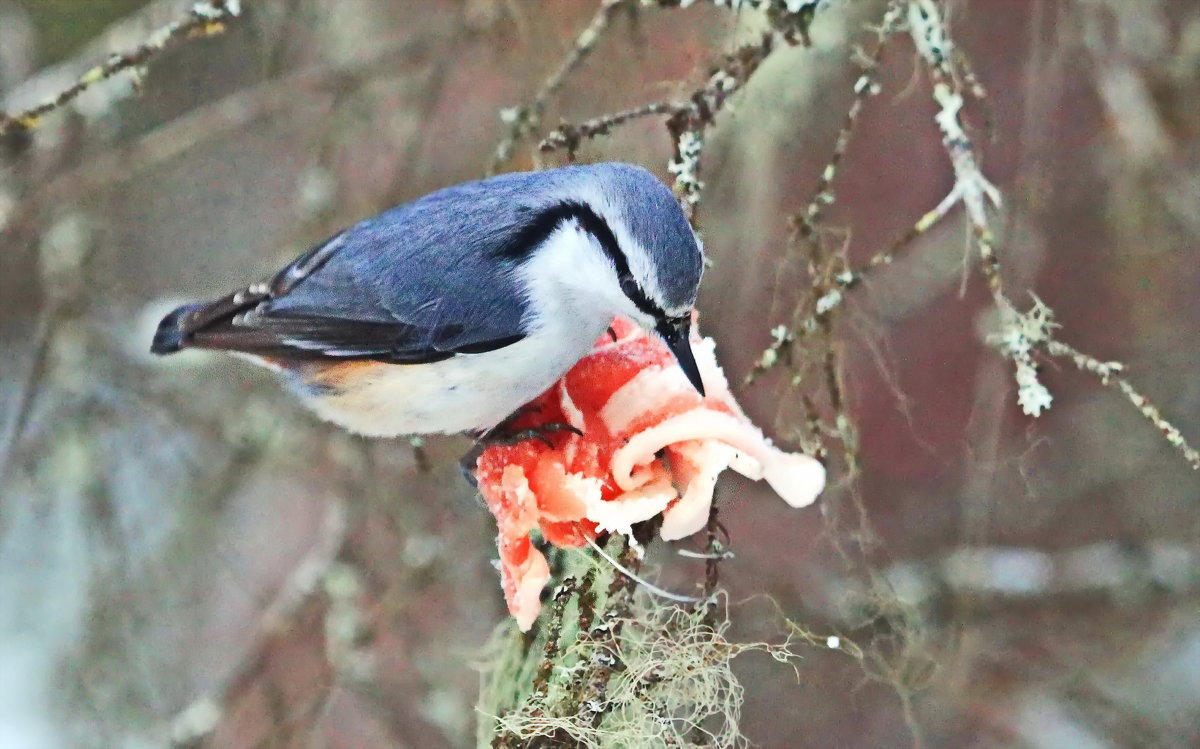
(609, 665)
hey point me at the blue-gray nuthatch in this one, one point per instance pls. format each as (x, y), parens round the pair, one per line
(449, 313)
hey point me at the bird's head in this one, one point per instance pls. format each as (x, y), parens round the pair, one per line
(654, 260)
(604, 240)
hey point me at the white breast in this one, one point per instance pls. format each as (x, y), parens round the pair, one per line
(571, 288)
(469, 392)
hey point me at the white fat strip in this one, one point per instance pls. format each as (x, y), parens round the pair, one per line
(650, 385)
(697, 424)
(619, 515)
(586, 489)
(704, 462)
(514, 482)
(530, 581)
(715, 384)
(717, 387)
(634, 333)
(569, 409)
(798, 479)
(747, 466)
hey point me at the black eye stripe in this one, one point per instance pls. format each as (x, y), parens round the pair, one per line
(547, 221)
(599, 228)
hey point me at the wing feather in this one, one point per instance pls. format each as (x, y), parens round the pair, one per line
(419, 283)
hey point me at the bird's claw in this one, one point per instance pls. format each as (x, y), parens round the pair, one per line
(539, 432)
(502, 436)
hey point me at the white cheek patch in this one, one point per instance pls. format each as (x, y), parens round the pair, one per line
(640, 265)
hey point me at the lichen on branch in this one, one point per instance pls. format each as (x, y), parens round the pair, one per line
(205, 18)
(611, 665)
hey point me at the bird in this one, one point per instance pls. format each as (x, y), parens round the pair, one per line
(447, 314)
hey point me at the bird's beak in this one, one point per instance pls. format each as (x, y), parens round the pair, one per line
(675, 334)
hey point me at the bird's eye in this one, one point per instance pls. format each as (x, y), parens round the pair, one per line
(633, 290)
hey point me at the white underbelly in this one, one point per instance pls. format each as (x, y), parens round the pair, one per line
(463, 393)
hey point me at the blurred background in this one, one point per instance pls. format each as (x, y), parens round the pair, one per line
(187, 558)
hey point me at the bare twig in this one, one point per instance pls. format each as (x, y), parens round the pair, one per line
(1022, 335)
(866, 86)
(237, 110)
(687, 125)
(205, 18)
(526, 118)
(1108, 373)
(42, 336)
(641, 581)
(568, 137)
(687, 121)
(929, 33)
(792, 18)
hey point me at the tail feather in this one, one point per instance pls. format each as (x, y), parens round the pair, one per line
(173, 332)
(179, 329)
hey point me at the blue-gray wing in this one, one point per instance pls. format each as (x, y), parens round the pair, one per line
(421, 282)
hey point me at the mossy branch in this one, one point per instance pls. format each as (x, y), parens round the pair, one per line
(610, 664)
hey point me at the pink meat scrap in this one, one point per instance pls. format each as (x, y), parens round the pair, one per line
(631, 402)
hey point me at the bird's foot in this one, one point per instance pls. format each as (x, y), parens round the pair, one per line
(502, 435)
(541, 432)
